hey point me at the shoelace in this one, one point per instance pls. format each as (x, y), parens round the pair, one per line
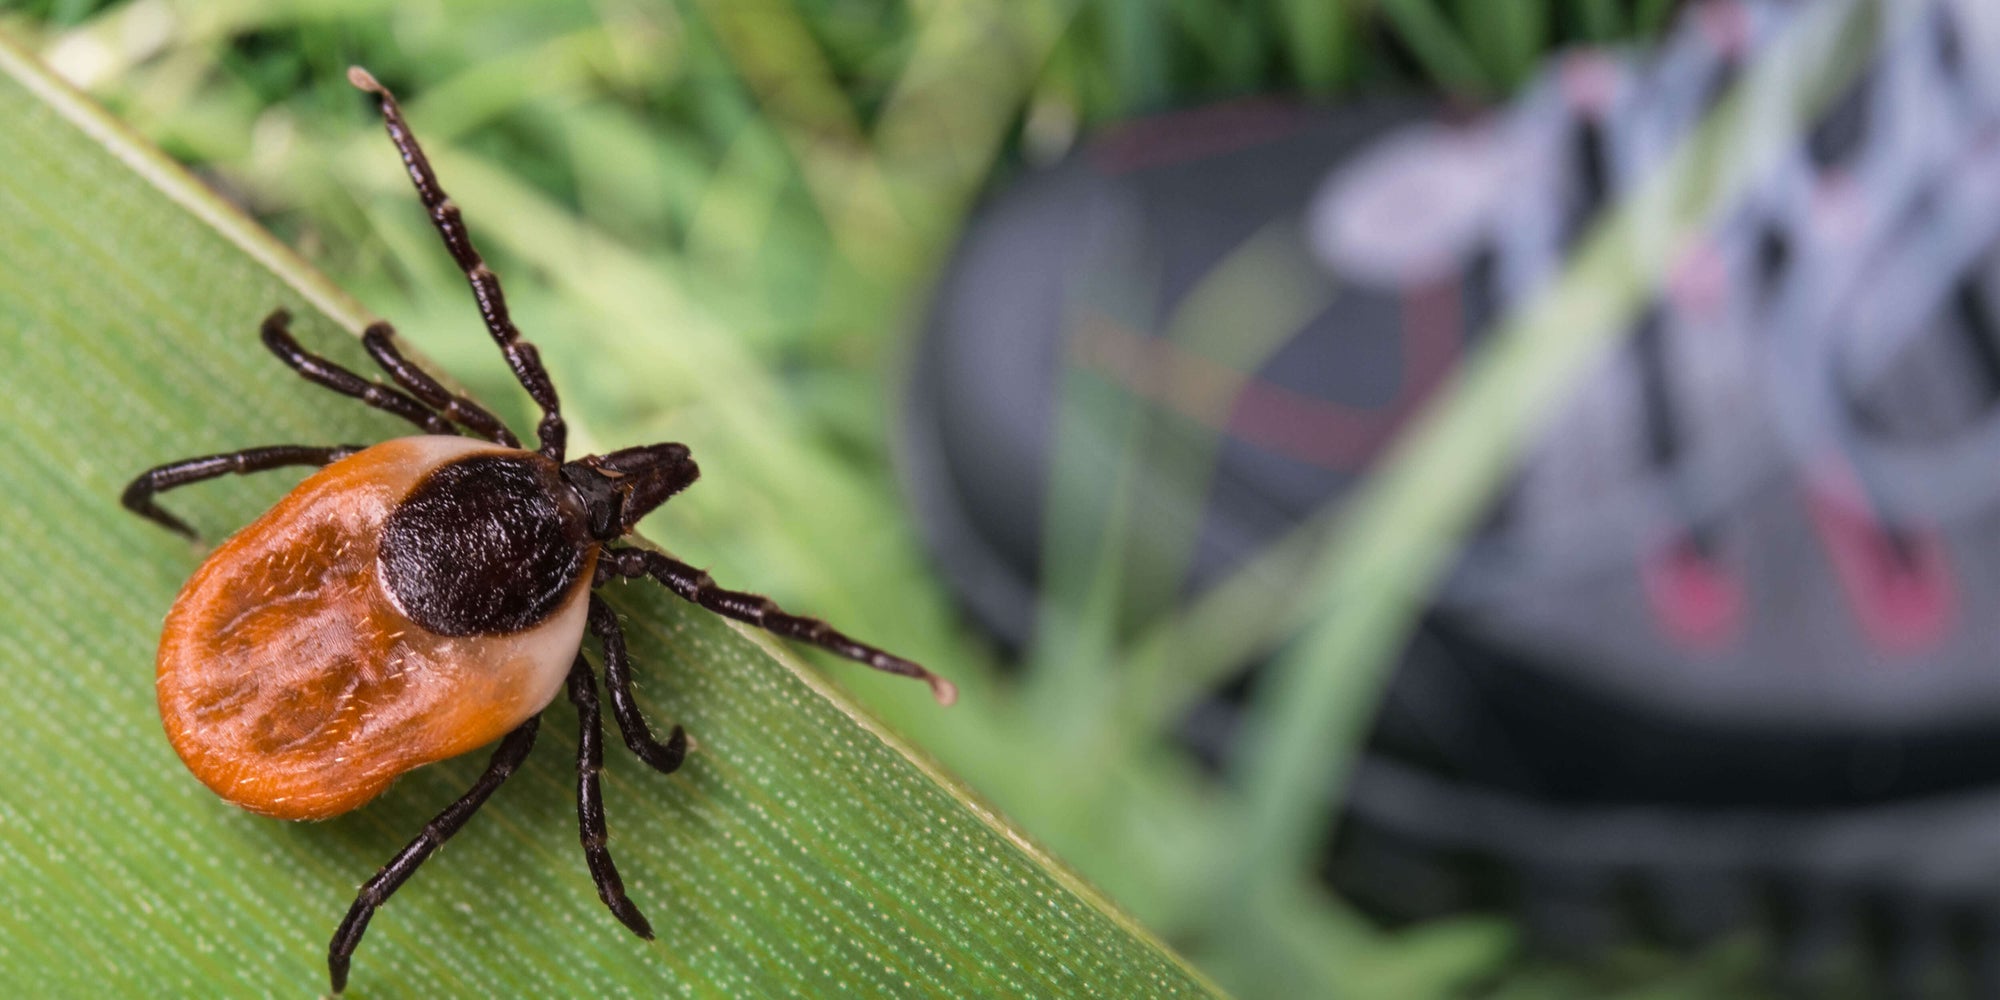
(1874, 230)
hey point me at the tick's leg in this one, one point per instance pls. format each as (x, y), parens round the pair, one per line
(696, 586)
(590, 801)
(662, 757)
(380, 340)
(138, 497)
(513, 749)
(320, 371)
(521, 355)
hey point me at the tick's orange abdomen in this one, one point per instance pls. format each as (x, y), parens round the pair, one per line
(291, 683)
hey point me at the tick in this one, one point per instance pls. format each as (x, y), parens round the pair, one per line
(417, 599)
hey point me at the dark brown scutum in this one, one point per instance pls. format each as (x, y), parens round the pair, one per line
(483, 546)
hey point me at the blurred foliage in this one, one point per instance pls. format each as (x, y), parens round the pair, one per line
(717, 217)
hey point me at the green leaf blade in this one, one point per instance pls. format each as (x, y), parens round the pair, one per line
(803, 851)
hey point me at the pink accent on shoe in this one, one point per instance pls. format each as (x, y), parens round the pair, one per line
(1726, 25)
(1696, 602)
(1902, 595)
(1590, 81)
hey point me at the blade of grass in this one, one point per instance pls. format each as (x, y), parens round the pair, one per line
(804, 851)
(1653, 15)
(1510, 37)
(1603, 20)
(1316, 38)
(1135, 33)
(941, 127)
(780, 61)
(1437, 45)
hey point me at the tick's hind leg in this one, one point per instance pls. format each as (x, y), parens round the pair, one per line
(513, 749)
(380, 340)
(590, 801)
(320, 371)
(696, 586)
(520, 354)
(138, 496)
(663, 757)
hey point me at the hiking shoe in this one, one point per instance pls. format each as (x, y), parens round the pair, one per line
(1716, 660)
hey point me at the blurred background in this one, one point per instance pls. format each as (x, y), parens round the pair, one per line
(1422, 497)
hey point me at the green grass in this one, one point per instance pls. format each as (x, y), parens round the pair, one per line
(717, 219)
